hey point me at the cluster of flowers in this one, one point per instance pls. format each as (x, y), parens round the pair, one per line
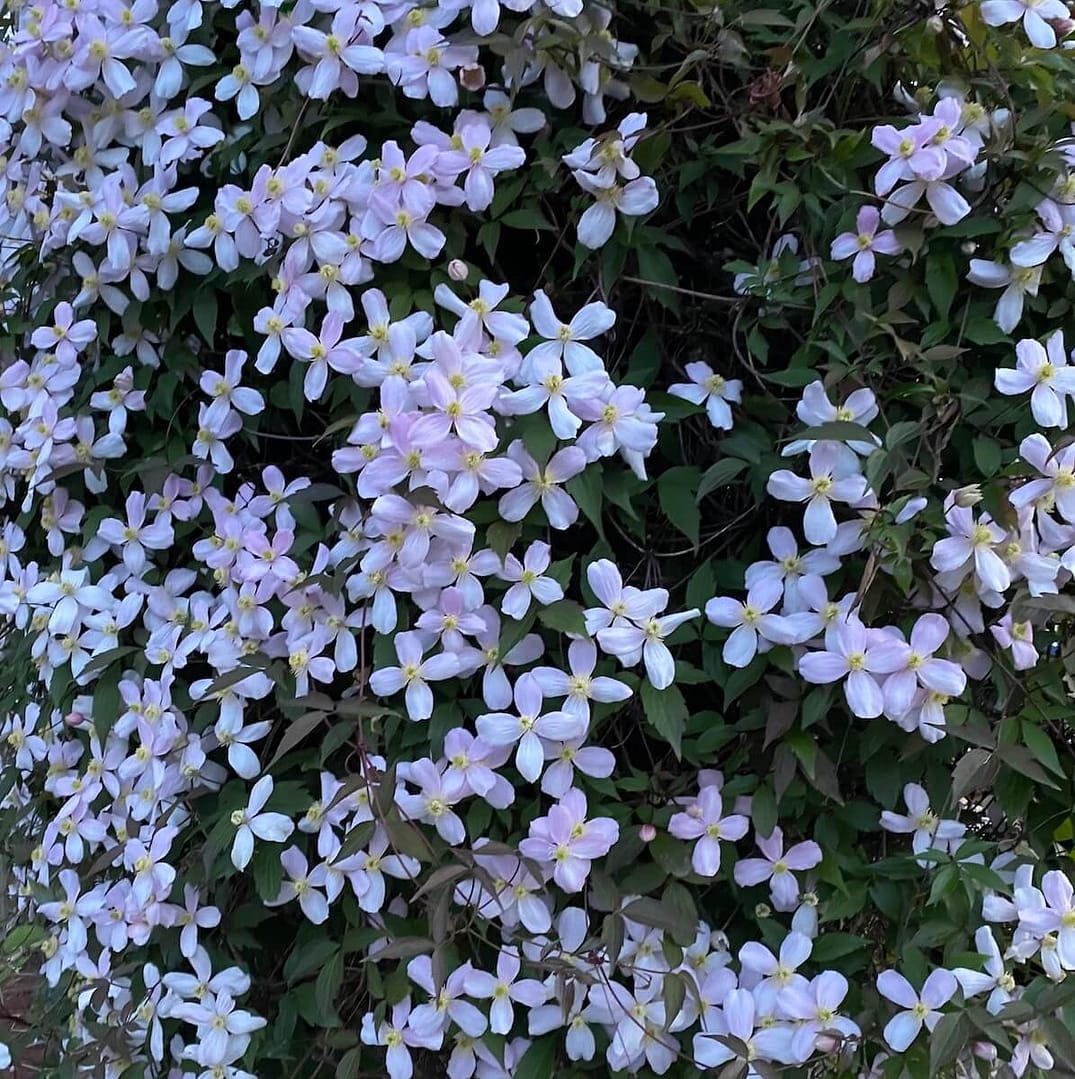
(602, 167)
(208, 588)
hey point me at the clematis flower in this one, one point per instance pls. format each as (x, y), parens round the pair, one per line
(929, 830)
(645, 640)
(777, 866)
(714, 391)
(752, 623)
(704, 820)
(566, 340)
(529, 581)
(303, 884)
(252, 821)
(834, 477)
(858, 655)
(920, 667)
(1033, 14)
(543, 484)
(580, 686)
(921, 1009)
(414, 674)
(633, 199)
(1045, 372)
(1017, 282)
(565, 842)
(505, 988)
(864, 243)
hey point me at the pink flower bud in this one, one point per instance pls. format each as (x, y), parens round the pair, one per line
(458, 270)
(74, 719)
(647, 833)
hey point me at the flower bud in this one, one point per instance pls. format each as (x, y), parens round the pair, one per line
(968, 496)
(935, 24)
(647, 833)
(74, 719)
(472, 77)
(984, 1050)
(458, 270)
(968, 247)
(1063, 27)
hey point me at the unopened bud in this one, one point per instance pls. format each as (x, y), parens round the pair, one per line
(74, 719)
(763, 910)
(472, 77)
(647, 833)
(984, 1050)
(1063, 27)
(968, 247)
(458, 270)
(968, 496)
(935, 24)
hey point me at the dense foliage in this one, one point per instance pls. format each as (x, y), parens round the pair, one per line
(536, 538)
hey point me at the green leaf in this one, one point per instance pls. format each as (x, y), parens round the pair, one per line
(657, 914)
(564, 616)
(719, 475)
(528, 218)
(830, 946)
(948, 1038)
(763, 809)
(943, 282)
(328, 985)
(539, 1060)
(205, 313)
(666, 710)
(835, 431)
(987, 456)
(676, 491)
(1041, 746)
(307, 958)
(501, 536)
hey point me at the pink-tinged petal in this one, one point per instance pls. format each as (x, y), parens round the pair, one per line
(741, 647)
(804, 855)
(706, 857)
(786, 486)
(943, 676)
(999, 12)
(1041, 34)
(863, 695)
(529, 757)
(821, 668)
(605, 580)
(867, 220)
(947, 203)
(419, 700)
(863, 267)
(901, 1030)
(819, 523)
(899, 691)
(751, 871)
(660, 666)
(939, 988)
(929, 633)
(1036, 250)
(895, 987)
(724, 611)
(594, 319)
